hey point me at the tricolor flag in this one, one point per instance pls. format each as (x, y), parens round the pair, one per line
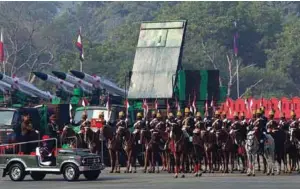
(79, 45)
(1, 48)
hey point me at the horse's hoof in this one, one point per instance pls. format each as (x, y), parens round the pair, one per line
(199, 174)
(145, 171)
(253, 175)
(231, 171)
(125, 171)
(134, 171)
(130, 171)
(248, 174)
(111, 171)
(196, 174)
(204, 171)
(182, 176)
(176, 176)
(157, 171)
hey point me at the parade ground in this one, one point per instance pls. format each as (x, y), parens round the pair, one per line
(160, 181)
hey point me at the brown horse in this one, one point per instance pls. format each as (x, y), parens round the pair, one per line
(225, 145)
(237, 136)
(294, 148)
(198, 151)
(151, 142)
(129, 146)
(179, 147)
(114, 146)
(91, 137)
(69, 136)
(209, 139)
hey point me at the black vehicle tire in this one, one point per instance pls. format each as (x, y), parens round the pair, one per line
(91, 175)
(71, 172)
(17, 172)
(37, 176)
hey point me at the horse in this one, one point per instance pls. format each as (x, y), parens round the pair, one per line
(69, 136)
(237, 136)
(295, 146)
(198, 149)
(225, 145)
(180, 143)
(114, 146)
(129, 147)
(151, 141)
(92, 139)
(252, 147)
(209, 139)
(279, 138)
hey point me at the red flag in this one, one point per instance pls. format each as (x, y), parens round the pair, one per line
(145, 107)
(1, 48)
(127, 106)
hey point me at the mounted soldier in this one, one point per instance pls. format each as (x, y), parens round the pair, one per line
(160, 125)
(153, 121)
(272, 124)
(226, 122)
(199, 124)
(187, 123)
(207, 121)
(261, 128)
(251, 121)
(122, 122)
(283, 123)
(101, 119)
(262, 109)
(217, 123)
(139, 123)
(293, 123)
(236, 124)
(244, 125)
(178, 118)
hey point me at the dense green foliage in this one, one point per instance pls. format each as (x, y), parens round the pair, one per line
(269, 48)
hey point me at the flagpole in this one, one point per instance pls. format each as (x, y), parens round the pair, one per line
(237, 78)
(82, 48)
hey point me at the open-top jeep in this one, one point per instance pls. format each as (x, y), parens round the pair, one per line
(69, 162)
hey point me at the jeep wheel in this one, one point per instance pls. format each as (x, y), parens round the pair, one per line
(71, 172)
(91, 175)
(17, 172)
(37, 176)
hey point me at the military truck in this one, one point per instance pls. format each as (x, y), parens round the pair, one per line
(71, 163)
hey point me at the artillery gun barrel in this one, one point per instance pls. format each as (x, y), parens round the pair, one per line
(64, 85)
(100, 82)
(85, 86)
(25, 87)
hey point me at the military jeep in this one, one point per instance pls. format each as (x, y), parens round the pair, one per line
(68, 162)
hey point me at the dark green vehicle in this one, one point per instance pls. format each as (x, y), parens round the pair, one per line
(71, 163)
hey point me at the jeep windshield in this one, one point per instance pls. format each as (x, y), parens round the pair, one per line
(92, 114)
(6, 117)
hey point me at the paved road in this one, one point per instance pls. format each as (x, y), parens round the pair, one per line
(160, 181)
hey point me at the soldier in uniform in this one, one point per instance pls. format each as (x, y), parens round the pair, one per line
(179, 118)
(170, 121)
(53, 127)
(263, 115)
(122, 122)
(260, 124)
(226, 122)
(251, 121)
(236, 124)
(244, 125)
(217, 123)
(102, 119)
(139, 123)
(293, 122)
(272, 124)
(199, 124)
(187, 123)
(207, 121)
(153, 121)
(160, 125)
(283, 123)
